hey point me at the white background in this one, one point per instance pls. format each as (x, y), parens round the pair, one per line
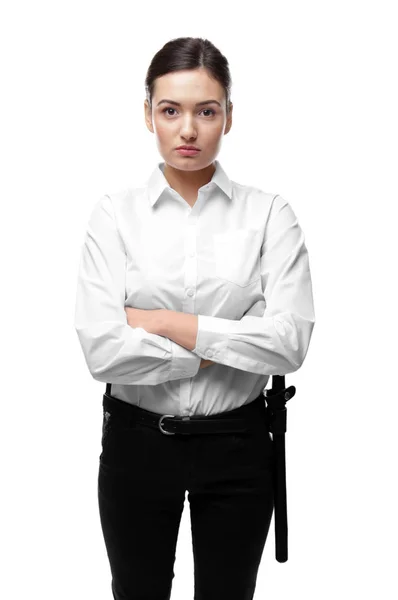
(315, 120)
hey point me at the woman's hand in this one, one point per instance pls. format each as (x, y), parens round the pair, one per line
(147, 319)
(205, 363)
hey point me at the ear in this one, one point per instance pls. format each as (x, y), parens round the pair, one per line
(228, 124)
(148, 116)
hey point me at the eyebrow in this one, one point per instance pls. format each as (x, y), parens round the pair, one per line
(197, 104)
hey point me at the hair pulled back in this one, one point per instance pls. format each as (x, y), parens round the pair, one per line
(189, 53)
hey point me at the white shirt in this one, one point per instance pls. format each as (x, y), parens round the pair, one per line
(237, 259)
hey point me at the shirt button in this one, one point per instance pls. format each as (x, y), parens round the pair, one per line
(190, 292)
(209, 353)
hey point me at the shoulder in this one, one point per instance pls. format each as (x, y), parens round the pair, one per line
(119, 197)
(120, 201)
(253, 193)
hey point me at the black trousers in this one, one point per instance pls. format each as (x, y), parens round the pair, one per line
(142, 480)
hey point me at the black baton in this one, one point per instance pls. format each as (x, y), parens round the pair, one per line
(276, 398)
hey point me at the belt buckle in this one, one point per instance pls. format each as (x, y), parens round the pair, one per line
(161, 428)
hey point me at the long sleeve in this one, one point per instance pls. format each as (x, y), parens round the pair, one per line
(114, 351)
(277, 342)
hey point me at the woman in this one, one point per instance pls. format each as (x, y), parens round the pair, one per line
(192, 270)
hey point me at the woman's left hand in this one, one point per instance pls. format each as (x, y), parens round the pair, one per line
(150, 320)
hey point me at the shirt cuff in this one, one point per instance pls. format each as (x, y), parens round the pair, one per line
(212, 337)
(184, 363)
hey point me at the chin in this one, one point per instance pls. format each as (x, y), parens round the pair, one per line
(185, 163)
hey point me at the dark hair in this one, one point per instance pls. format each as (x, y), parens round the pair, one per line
(189, 53)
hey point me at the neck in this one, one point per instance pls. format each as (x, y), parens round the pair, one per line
(187, 183)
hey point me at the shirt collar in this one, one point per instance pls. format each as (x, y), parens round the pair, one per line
(157, 182)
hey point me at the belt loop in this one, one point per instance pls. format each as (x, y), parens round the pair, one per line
(108, 389)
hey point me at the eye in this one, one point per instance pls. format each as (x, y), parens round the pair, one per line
(205, 109)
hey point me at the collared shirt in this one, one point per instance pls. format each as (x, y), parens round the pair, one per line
(237, 258)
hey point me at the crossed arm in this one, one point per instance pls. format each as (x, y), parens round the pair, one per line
(179, 327)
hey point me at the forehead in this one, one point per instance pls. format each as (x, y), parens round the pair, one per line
(188, 85)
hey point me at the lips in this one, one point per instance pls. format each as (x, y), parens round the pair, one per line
(187, 148)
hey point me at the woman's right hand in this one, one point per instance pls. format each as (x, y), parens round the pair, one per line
(205, 363)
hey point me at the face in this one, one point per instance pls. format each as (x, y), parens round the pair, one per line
(201, 126)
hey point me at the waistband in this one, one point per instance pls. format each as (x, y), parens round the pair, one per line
(236, 420)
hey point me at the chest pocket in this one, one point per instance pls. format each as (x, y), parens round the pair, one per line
(237, 256)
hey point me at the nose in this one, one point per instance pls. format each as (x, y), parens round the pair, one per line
(188, 129)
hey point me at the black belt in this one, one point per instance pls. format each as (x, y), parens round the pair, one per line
(232, 421)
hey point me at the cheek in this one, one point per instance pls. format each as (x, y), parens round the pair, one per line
(213, 132)
(163, 130)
